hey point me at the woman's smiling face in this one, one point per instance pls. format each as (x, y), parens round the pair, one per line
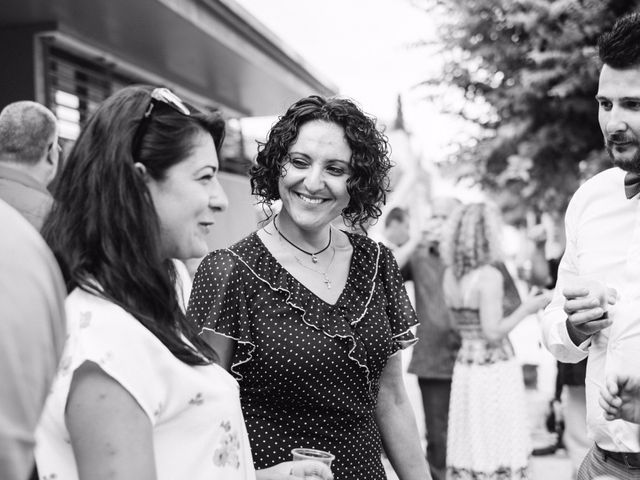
(313, 185)
(187, 200)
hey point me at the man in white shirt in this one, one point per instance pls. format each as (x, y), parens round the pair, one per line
(596, 307)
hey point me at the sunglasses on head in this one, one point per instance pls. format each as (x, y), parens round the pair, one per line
(158, 95)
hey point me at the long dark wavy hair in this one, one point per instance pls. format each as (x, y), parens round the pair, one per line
(103, 227)
(370, 163)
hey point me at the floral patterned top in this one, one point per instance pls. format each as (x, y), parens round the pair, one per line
(308, 371)
(198, 429)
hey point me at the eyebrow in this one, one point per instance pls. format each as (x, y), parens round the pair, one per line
(302, 154)
(215, 169)
(623, 99)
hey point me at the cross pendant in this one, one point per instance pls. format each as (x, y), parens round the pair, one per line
(327, 282)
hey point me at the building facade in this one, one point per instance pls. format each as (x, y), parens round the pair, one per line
(72, 54)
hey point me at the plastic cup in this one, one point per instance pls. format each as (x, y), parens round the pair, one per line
(312, 454)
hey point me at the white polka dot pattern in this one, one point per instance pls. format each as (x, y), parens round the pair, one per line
(488, 430)
(308, 371)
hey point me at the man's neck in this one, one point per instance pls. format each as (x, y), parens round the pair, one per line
(34, 171)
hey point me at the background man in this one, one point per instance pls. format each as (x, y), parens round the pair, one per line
(399, 237)
(434, 355)
(32, 332)
(595, 312)
(29, 154)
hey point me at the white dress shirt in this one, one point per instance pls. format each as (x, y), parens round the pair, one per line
(603, 244)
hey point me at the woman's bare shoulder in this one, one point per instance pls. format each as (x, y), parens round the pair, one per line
(490, 275)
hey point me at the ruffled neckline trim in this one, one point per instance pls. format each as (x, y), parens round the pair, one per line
(334, 320)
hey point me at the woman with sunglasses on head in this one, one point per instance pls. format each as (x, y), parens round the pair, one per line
(310, 318)
(138, 394)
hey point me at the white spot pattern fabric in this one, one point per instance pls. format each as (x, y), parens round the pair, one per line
(308, 370)
(488, 435)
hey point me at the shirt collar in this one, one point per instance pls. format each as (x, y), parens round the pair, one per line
(16, 175)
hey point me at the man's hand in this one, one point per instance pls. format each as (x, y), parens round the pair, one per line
(586, 306)
(620, 398)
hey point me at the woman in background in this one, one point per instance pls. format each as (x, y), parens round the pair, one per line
(488, 435)
(310, 318)
(138, 394)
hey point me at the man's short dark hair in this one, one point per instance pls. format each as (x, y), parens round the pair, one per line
(395, 214)
(619, 48)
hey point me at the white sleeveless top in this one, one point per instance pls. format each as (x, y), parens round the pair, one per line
(198, 428)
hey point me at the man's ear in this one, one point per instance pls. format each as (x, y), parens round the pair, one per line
(142, 171)
(52, 162)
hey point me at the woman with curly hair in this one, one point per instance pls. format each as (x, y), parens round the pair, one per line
(488, 435)
(310, 318)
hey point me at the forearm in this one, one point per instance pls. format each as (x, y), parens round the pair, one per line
(576, 336)
(556, 336)
(500, 330)
(400, 438)
(558, 339)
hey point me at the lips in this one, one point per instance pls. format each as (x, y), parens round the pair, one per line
(310, 200)
(206, 225)
(621, 146)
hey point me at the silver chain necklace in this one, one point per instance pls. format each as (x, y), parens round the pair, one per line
(327, 280)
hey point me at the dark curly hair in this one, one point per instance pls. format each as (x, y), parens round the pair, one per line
(620, 47)
(370, 163)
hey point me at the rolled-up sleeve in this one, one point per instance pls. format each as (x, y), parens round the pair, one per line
(554, 322)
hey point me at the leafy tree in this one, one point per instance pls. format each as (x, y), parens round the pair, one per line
(527, 71)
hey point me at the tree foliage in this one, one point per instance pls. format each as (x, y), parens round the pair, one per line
(530, 69)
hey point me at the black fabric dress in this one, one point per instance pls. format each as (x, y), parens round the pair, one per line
(308, 371)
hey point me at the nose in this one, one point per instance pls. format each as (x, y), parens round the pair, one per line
(218, 200)
(615, 121)
(313, 180)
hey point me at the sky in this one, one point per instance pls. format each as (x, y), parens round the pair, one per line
(364, 47)
(360, 45)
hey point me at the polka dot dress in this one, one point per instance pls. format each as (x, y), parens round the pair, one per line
(308, 371)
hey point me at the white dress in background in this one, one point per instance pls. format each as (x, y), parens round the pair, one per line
(488, 436)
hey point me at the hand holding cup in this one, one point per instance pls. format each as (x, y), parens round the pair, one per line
(311, 464)
(586, 305)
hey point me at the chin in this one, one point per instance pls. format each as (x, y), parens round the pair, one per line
(191, 252)
(628, 160)
(628, 164)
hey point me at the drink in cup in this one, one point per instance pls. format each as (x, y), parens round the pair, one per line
(311, 454)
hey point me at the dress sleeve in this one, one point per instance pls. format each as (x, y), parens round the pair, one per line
(399, 311)
(218, 302)
(107, 335)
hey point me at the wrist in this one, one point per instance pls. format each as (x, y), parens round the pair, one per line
(576, 336)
